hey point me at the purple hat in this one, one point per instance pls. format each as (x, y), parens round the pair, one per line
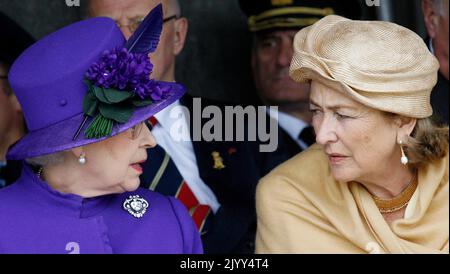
(85, 83)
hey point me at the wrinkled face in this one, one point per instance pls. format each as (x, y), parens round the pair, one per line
(126, 13)
(271, 59)
(115, 162)
(360, 142)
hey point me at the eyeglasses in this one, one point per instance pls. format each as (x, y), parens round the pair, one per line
(135, 23)
(175, 16)
(137, 129)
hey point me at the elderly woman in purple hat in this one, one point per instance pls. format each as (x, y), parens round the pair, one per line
(86, 94)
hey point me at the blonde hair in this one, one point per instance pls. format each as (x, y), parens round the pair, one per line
(427, 143)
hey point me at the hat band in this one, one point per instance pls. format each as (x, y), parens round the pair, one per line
(283, 23)
(255, 22)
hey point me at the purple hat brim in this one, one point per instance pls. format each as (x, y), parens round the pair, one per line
(58, 137)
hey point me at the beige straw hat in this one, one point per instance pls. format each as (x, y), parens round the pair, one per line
(379, 64)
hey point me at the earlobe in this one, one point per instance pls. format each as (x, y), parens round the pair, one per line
(79, 154)
(77, 151)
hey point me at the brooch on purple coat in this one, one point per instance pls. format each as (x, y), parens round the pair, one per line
(136, 206)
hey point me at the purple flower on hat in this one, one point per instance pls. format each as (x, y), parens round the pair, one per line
(122, 70)
(159, 92)
(117, 84)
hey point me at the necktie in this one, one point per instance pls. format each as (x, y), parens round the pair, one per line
(308, 136)
(161, 175)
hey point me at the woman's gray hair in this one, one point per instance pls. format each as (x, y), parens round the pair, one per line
(46, 160)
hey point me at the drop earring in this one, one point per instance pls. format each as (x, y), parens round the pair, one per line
(404, 160)
(82, 159)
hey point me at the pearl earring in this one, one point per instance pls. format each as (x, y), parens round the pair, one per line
(82, 159)
(404, 160)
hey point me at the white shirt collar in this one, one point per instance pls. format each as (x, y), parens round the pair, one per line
(163, 116)
(174, 120)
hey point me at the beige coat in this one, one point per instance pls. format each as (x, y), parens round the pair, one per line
(302, 209)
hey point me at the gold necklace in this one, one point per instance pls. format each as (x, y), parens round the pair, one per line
(398, 202)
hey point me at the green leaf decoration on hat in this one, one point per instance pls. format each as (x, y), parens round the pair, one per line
(111, 96)
(142, 103)
(108, 107)
(117, 112)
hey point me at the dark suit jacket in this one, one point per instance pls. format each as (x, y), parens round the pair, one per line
(233, 227)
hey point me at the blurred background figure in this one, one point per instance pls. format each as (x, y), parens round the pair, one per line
(435, 14)
(273, 25)
(12, 125)
(130, 13)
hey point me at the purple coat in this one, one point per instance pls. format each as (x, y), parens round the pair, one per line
(37, 219)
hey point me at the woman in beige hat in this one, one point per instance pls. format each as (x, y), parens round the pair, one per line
(377, 179)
